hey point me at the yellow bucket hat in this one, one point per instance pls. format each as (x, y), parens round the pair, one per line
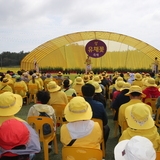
(150, 82)
(138, 116)
(119, 85)
(10, 103)
(53, 87)
(135, 88)
(126, 85)
(77, 109)
(79, 80)
(138, 76)
(96, 79)
(86, 78)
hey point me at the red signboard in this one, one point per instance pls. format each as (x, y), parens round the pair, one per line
(96, 48)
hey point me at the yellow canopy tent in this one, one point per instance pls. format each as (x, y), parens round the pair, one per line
(68, 51)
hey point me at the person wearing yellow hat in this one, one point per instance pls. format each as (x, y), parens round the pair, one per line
(120, 99)
(141, 123)
(135, 95)
(67, 89)
(151, 91)
(86, 78)
(77, 85)
(118, 86)
(56, 95)
(20, 83)
(35, 81)
(4, 86)
(157, 79)
(80, 131)
(98, 96)
(138, 80)
(98, 79)
(10, 80)
(39, 79)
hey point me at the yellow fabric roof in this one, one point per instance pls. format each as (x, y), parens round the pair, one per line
(68, 51)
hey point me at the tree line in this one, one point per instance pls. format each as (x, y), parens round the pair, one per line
(11, 58)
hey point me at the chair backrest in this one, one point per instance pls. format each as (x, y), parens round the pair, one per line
(158, 155)
(125, 126)
(2, 91)
(79, 94)
(99, 121)
(32, 88)
(45, 84)
(59, 81)
(37, 122)
(20, 90)
(157, 120)
(79, 153)
(59, 110)
(69, 98)
(152, 103)
(102, 140)
(12, 86)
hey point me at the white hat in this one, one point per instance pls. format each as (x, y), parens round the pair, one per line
(137, 148)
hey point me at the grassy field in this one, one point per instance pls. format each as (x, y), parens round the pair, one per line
(5, 69)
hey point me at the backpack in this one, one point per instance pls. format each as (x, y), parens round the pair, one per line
(46, 126)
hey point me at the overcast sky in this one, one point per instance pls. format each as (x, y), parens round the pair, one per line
(26, 24)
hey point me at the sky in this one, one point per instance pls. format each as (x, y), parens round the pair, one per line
(26, 24)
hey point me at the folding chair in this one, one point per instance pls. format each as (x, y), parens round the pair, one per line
(152, 103)
(157, 120)
(79, 153)
(158, 155)
(37, 123)
(102, 140)
(69, 98)
(110, 97)
(2, 91)
(21, 92)
(32, 89)
(59, 111)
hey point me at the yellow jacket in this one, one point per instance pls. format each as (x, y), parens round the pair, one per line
(121, 113)
(58, 97)
(87, 139)
(151, 134)
(138, 83)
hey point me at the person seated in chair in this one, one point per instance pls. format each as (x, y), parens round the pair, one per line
(80, 131)
(69, 91)
(20, 141)
(42, 107)
(98, 110)
(57, 96)
(140, 123)
(137, 148)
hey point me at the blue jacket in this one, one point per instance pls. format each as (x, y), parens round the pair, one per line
(97, 109)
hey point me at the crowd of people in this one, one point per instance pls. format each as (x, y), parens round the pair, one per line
(86, 97)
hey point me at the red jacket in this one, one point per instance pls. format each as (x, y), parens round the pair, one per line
(151, 92)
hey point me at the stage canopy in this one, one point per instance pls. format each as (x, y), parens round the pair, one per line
(68, 51)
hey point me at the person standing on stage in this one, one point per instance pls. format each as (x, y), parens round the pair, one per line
(88, 64)
(156, 63)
